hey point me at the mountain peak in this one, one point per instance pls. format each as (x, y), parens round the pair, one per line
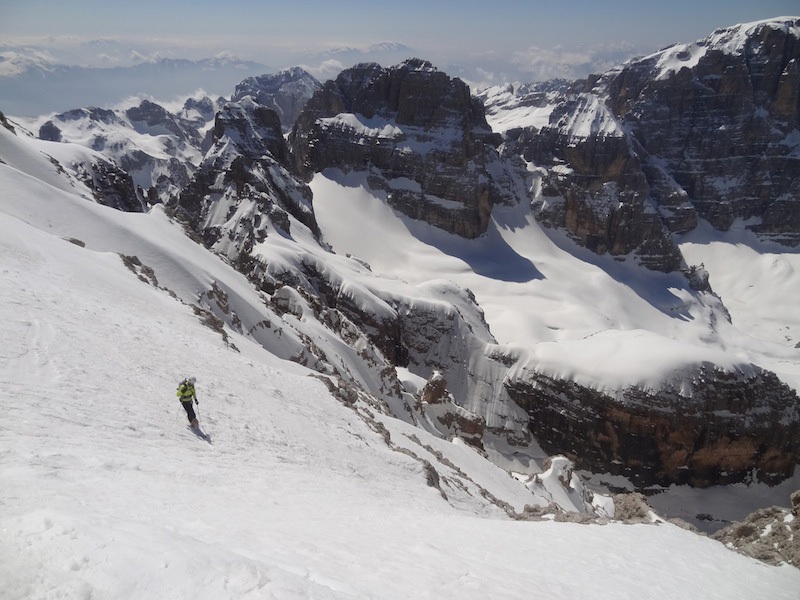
(732, 40)
(286, 92)
(388, 47)
(418, 64)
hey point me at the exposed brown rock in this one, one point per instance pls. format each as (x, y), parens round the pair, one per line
(632, 508)
(435, 390)
(441, 407)
(729, 426)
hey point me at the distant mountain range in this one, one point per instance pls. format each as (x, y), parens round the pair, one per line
(34, 85)
(57, 75)
(36, 80)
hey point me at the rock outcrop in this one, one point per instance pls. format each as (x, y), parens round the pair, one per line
(4, 122)
(595, 187)
(712, 427)
(285, 92)
(110, 185)
(719, 118)
(769, 534)
(419, 133)
(450, 419)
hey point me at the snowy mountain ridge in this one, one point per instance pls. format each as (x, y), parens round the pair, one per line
(158, 149)
(731, 40)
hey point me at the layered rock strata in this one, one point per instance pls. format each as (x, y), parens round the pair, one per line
(720, 118)
(696, 131)
(419, 133)
(594, 186)
(716, 427)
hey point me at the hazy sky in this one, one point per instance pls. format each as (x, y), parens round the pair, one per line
(482, 41)
(462, 25)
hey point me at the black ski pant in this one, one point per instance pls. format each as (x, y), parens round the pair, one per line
(189, 410)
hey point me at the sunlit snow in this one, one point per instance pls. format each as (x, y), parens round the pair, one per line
(106, 494)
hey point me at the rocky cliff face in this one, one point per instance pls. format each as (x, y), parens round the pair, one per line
(419, 133)
(594, 186)
(719, 118)
(244, 187)
(705, 130)
(285, 92)
(714, 427)
(110, 185)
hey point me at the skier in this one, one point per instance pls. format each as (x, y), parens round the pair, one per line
(187, 393)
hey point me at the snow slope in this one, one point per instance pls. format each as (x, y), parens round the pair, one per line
(105, 494)
(759, 283)
(575, 314)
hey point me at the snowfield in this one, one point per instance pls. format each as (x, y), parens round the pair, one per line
(105, 494)
(576, 314)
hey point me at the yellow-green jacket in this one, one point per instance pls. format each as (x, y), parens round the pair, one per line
(186, 392)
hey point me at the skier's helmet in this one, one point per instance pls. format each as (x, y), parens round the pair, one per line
(191, 380)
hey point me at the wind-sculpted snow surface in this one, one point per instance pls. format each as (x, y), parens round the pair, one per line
(303, 493)
(734, 41)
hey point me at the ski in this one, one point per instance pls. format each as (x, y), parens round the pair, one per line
(200, 434)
